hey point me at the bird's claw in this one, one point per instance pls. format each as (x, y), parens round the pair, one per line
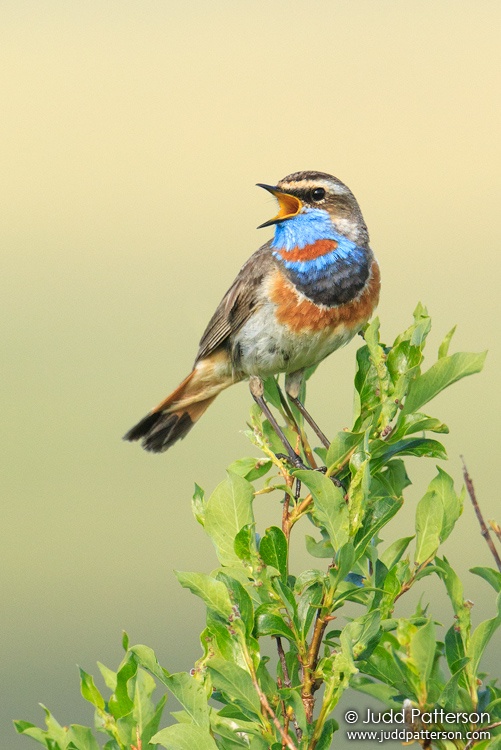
(296, 462)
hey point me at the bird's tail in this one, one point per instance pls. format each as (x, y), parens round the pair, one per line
(174, 417)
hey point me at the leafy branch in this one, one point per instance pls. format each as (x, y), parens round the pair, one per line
(337, 626)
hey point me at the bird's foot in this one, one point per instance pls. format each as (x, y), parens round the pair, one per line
(296, 461)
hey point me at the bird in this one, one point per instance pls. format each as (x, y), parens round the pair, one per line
(297, 299)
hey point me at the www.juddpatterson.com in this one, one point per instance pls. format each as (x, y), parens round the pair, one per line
(419, 725)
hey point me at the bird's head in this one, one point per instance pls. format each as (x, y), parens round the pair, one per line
(306, 199)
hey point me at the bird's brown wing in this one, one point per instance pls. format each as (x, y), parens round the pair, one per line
(239, 302)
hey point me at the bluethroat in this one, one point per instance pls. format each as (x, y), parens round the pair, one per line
(301, 296)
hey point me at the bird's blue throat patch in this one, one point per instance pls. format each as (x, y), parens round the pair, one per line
(310, 225)
(332, 278)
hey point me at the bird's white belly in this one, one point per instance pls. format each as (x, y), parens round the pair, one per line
(265, 347)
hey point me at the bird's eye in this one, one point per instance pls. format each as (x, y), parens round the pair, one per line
(317, 194)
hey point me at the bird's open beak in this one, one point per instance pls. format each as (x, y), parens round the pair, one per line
(289, 205)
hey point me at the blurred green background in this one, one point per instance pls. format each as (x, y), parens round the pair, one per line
(131, 137)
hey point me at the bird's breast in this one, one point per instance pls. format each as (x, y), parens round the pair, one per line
(329, 271)
(299, 313)
(289, 332)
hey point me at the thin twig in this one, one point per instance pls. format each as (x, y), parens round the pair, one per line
(286, 740)
(309, 686)
(265, 706)
(484, 530)
(281, 656)
(287, 683)
(138, 740)
(285, 516)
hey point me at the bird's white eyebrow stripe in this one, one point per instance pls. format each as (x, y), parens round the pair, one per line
(331, 186)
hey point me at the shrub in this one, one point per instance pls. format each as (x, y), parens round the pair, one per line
(237, 698)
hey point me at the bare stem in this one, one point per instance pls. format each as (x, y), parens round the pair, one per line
(267, 709)
(484, 530)
(310, 684)
(285, 516)
(288, 684)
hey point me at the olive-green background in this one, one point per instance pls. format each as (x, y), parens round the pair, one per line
(131, 136)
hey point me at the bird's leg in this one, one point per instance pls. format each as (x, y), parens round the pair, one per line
(293, 383)
(298, 428)
(257, 390)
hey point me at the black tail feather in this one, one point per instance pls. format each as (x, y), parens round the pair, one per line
(160, 430)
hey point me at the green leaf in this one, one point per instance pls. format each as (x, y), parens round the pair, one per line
(244, 545)
(82, 738)
(383, 666)
(343, 563)
(286, 595)
(359, 489)
(125, 640)
(250, 468)
(109, 676)
(268, 623)
(362, 633)
(490, 575)
(230, 728)
(184, 737)
(185, 688)
(422, 652)
(191, 695)
(198, 505)
(213, 593)
(382, 512)
(236, 683)
(307, 578)
(228, 509)
(384, 693)
(309, 601)
(89, 690)
(426, 447)
(273, 550)
(443, 349)
(366, 384)
(330, 506)
(391, 480)
(143, 686)
(454, 649)
(392, 555)
(378, 356)
(151, 726)
(341, 448)
(319, 549)
(325, 739)
(222, 643)
(449, 695)
(120, 703)
(443, 373)
(422, 326)
(271, 392)
(481, 637)
(54, 729)
(417, 422)
(443, 487)
(241, 599)
(30, 730)
(429, 521)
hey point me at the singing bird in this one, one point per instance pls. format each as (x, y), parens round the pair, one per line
(301, 296)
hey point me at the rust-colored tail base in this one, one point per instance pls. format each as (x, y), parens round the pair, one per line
(174, 417)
